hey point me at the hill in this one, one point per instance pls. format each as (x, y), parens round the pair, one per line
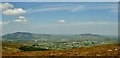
(23, 36)
(26, 36)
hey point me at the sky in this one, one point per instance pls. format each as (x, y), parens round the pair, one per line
(60, 0)
(60, 17)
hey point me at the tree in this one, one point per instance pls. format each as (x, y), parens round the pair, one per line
(31, 48)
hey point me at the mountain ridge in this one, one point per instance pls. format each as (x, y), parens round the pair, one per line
(32, 36)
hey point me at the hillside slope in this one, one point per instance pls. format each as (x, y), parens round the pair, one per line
(26, 36)
(104, 50)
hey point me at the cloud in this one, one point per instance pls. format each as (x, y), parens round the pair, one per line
(21, 19)
(61, 21)
(74, 8)
(46, 9)
(58, 8)
(110, 7)
(15, 11)
(78, 8)
(0, 22)
(9, 9)
(4, 23)
(6, 6)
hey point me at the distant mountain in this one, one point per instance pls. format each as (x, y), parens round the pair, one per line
(89, 35)
(19, 35)
(50, 37)
(25, 36)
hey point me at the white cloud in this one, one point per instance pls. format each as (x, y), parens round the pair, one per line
(6, 6)
(58, 8)
(78, 8)
(21, 19)
(75, 7)
(15, 11)
(0, 22)
(9, 9)
(46, 9)
(4, 23)
(61, 21)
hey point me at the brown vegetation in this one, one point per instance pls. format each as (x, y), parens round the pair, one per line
(104, 50)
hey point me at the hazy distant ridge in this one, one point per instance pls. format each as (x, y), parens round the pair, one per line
(32, 36)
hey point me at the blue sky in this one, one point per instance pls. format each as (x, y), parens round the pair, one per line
(60, 0)
(60, 17)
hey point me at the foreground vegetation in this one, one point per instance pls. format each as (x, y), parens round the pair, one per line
(101, 50)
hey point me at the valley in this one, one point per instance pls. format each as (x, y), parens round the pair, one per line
(22, 42)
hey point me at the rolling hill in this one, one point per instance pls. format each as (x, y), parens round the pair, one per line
(52, 37)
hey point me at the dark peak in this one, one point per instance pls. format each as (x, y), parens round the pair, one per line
(18, 35)
(21, 33)
(89, 34)
(45, 34)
